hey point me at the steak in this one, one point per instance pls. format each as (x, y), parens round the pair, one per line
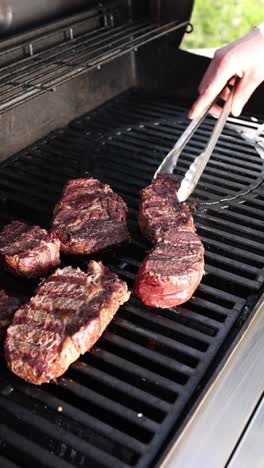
(8, 306)
(90, 217)
(28, 251)
(173, 269)
(63, 320)
(160, 209)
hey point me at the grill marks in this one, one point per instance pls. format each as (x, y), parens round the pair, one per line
(175, 255)
(8, 306)
(28, 250)
(160, 210)
(90, 217)
(173, 269)
(67, 315)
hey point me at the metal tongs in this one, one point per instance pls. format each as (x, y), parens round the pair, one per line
(196, 169)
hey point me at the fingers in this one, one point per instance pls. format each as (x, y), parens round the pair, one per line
(217, 75)
(245, 89)
(215, 111)
(225, 94)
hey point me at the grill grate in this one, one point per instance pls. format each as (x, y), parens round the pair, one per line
(118, 404)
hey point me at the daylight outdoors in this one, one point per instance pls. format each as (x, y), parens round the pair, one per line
(217, 22)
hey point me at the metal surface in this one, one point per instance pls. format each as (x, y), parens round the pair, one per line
(118, 405)
(196, 169)
(170, 161)
(214, 429)
(250, 450)
(20, 14)
(47, 61)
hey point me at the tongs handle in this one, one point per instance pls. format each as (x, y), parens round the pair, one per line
(196, 169)
(172, 157)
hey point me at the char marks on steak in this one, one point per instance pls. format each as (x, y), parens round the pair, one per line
(160, 209)
(173, 269)
(64, 319)
(8, 306)
(28, 251)
(90, 217)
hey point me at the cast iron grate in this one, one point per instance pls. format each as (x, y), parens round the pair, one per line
(118, 404)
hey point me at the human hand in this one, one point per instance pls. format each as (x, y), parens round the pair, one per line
(244, 58)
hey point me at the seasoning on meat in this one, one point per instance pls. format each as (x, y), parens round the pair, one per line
(8, 306)
(28, 251)
(64, 319)
(173, 269)
(90, 217)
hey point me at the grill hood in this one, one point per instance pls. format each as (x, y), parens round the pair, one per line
(18, 15)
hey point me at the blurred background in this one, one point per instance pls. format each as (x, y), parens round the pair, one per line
(217, 22)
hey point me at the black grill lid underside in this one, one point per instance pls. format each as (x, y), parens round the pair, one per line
(118, 404)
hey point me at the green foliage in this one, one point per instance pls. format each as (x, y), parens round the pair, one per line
(217, 22)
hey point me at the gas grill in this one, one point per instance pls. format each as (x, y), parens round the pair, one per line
(103, 90)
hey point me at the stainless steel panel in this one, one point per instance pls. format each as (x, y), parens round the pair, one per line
(214, 429)
(250, 451)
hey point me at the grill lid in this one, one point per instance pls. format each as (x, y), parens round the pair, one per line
(21, 14)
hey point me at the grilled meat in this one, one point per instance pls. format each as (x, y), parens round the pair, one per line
(90, 217)
(28, 251)
(8, 306)
(64, 319)
(173, 269)
(160, 209)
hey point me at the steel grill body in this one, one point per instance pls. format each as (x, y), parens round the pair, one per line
(119, 403)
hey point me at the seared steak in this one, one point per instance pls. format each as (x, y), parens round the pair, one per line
(8, 306)
(160, 209)
(90, 217)
(28, 251)
(171, 272)
(174, 268)
(64, 319)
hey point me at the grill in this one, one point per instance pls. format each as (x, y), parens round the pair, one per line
(118, 405)
(99, 93)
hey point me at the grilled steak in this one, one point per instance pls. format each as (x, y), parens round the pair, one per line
(8, 306)
(64, 319)
(173, 269)
(160, 209)
(90, 217)
(28, 251)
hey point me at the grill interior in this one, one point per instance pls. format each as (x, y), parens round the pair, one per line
(35, 65)
(119, 403)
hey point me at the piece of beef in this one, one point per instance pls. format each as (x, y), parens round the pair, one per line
(90, 217)
(171, 272)
(28, 251)
(160, 209)
(8, 306)
(64, 319)
(173, 269)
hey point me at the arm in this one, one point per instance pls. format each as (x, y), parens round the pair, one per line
(245, 58)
